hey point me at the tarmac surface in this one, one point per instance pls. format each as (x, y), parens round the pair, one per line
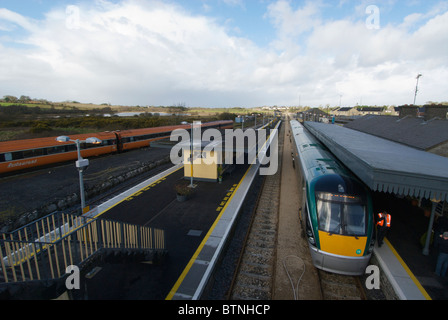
(185, 225)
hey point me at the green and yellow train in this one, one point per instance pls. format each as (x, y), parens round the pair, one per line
(336, 211)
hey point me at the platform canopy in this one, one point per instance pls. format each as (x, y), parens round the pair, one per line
(384, 165)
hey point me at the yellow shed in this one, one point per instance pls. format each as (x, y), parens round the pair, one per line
(207, 158)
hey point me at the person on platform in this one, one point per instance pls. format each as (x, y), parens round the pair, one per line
(382, 226)
(441, 243)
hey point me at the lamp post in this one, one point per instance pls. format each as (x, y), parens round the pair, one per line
(81, 164)
(416, 88)
(194, 125)
(191, 156)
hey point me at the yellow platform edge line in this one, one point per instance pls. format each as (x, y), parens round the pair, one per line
(204, 241)
(131, 195)
(414, 279)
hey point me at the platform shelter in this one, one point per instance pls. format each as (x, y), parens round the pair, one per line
(387, 166)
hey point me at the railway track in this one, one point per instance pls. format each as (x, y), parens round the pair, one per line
(339, 287)
(255, 271)
(253, 278)
(254, 274)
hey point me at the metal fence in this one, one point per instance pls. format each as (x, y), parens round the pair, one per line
(45, 248)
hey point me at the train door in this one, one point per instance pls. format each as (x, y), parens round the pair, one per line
(119, 142)
(303, 210)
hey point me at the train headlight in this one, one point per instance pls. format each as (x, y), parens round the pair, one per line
(312, 241)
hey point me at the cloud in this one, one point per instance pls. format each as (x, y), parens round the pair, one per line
(15, 19)
(132, 52)
(157, 53)
(379, 66)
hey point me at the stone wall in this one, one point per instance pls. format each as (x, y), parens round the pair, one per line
(385, 285)
(430, 111)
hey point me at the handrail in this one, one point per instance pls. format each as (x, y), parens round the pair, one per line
(45, 249)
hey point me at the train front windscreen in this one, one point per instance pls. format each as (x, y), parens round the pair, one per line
(341, 214)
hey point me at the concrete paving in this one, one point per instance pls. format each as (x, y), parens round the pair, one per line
(293, 256)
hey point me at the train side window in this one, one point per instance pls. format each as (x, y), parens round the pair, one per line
(55, 150)
(33, 153)
(28, 154)
(8, 156)
(17, 155)
(70, 148)
(141, 138)
(88, 145)
(2, 157)
(38, 152)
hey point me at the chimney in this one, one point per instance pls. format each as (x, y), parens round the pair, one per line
(407, 110)
(435, 111)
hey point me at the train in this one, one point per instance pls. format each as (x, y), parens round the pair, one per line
(336, 212)
(18, 155)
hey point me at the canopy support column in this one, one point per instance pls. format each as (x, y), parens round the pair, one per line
(430, 225)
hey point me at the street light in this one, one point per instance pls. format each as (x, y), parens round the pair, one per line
(81, 164)
(416, 88)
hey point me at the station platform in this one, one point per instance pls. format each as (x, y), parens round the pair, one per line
(190, 228)
(401, 278)
(410, 273)
(395, 173)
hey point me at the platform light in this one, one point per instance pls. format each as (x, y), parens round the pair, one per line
(194, 125)
(81, 164)
(63, 139)
(93, 140)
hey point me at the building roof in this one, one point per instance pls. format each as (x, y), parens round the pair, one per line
(345, 109)
(370, 109)
(411, 131)
(315, 111)
(384, 165)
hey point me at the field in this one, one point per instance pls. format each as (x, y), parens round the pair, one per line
(35, 120)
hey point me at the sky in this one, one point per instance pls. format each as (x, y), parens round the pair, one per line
(225, 53)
